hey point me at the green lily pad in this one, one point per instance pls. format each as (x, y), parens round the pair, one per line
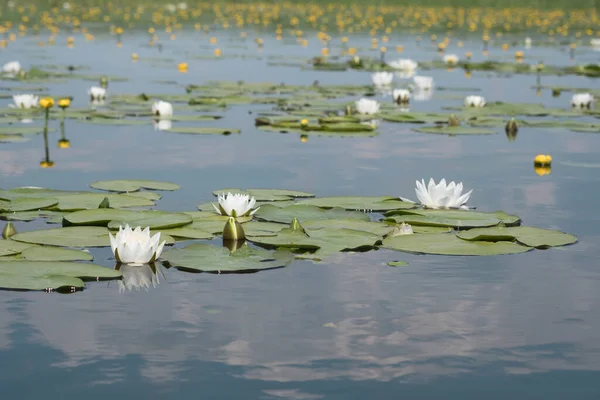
(414, 118)
(267, 194)
(261, 228)
(377, 228)
(22, 130)
(26, 204)
(397, 264)
(370, 203)
(10, 247)
(32, 215)
(202, 257)
(454, 130)
(526, 235)
(12, 138)
(130, 185)
(327, 240)
(203, 130)
(85, 201)
(188, 233)
(77, 236)
(48, 253)
(303, 212)
(113, 218)
(41, 275)
(449, 244)
(453, 218)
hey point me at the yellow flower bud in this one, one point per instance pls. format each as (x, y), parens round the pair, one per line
(47, 102)
(64, 103)
(64, 144)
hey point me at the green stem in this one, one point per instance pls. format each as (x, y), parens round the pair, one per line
(47, 150)
(62, 125)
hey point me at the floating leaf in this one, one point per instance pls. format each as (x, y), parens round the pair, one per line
(26, 204)
(397, 264)
(454, 130)
(203, 130)
(453, 218)
(132, 185)
(40, 275)
(371, 203)
(48, 253)
(267, 194)
(10, 247)
(86, 201)
(103, 216)
(529, 236)
(303, 212)
(449, 244)
(202, 257)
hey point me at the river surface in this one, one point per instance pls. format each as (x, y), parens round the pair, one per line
(523, 326)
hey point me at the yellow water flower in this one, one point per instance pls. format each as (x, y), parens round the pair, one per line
(64, 103)
(134, 56)
(47, 102)
(64, 144)
(543, 160)
(182, 67)
(218, 52)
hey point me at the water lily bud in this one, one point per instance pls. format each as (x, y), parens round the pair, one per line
(9, 230)
(304, 123)
(453, 120)
(105, 203)
(295, 225)
(556, 92)
(64, 144)
(233, 230)
(468, 55)
(134, 57)
(104, 82)
(304, 138)
(511, 128)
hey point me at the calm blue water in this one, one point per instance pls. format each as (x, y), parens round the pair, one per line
(523, 326)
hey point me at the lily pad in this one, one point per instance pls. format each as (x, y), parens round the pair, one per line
(77, 236)
(453, 218)
(48, 253)
(377, 228)
(202, 257)
(130, 185)
(449, 244)
(188, 233)
(26, 204)
(85, 201)
(10, 247)
(397, 264)
(526, 235)
(267, 194)
(31, 215)
(454, 130)
(370, 203)
(114, 218)
(303, 212)
(203, 130)
(41, 275)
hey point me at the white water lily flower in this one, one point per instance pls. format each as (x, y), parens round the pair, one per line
(97, 93)
(162, 108)
(25, 101)
(235, 205)
(170, 7)
(451, 59)
(137, 277)
(162, 124)
(135, 246)
(404, 64)
(401, 96)
(423, 82)
(582, 100)
(474, 101)
(367, 106)
(13, 67)
(382, 79)
(528, 42)
(442, 195)
(402, 229)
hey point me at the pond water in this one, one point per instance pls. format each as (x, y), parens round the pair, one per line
(523, 326)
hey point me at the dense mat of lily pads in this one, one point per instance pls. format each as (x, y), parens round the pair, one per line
(269, 227)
